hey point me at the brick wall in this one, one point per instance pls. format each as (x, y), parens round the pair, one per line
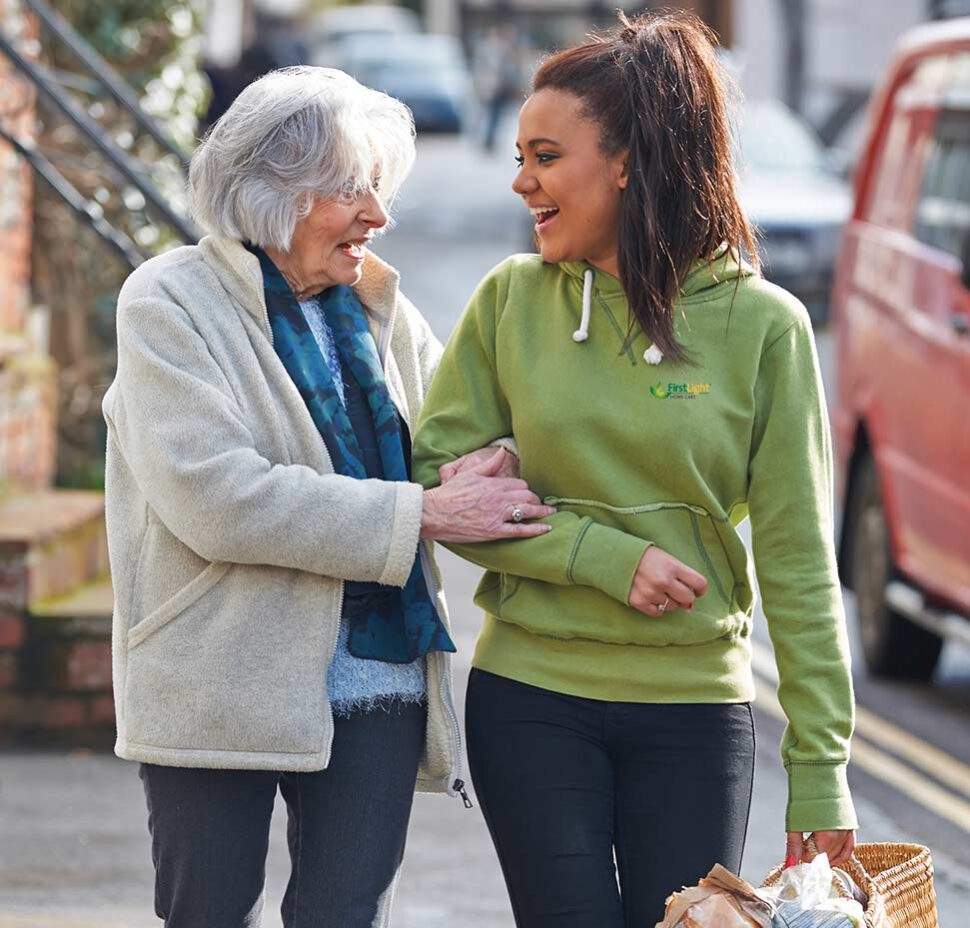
(15, 185)
(55, 621)
(28, 398)
(55, 606)
(28, 401)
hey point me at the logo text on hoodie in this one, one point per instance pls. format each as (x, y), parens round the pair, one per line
(679, 391)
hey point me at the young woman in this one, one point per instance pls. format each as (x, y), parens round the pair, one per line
(660, 392)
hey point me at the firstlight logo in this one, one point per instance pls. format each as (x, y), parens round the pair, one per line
(679, 391)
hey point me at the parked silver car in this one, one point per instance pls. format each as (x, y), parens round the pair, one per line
(425, 71)
(328, 31)
(792, 192)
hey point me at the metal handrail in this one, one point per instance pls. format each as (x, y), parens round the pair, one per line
(112, 82)
(95, 135)
(87, 210)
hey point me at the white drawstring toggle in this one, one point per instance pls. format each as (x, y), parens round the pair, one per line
(582, 333)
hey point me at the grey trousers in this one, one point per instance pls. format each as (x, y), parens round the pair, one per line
(346, 831)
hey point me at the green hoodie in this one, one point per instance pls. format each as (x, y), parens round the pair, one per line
(677, 455)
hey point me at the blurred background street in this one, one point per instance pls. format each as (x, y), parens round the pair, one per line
(74, 848)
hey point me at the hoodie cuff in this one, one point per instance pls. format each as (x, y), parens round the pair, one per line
(405, 533)
(819, 798)
(606, 558)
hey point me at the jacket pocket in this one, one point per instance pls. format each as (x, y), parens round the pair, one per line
(234, 660)
(187, 596)
(687, 532)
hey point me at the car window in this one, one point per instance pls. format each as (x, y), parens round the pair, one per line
(773, 139)
(943, 209)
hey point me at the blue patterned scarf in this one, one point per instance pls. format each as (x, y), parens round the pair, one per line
(411, 627)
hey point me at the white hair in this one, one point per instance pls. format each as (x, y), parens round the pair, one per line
(292, 136)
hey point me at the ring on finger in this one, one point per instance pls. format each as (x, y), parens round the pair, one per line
(662, 608)
(517, 514)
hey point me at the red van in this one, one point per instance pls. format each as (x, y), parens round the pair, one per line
(901, 310)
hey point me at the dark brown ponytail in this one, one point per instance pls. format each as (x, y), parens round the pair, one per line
(655, 87)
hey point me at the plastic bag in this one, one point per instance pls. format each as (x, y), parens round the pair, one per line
(807, 884)
(804, 898)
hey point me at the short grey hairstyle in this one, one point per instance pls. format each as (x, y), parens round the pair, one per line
(292, 136)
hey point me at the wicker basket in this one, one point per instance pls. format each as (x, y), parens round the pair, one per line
(897, 878)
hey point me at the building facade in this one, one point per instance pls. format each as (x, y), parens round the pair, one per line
(27, 377)
(840, 54)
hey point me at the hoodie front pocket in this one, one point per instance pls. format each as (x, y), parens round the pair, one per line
(687, 532)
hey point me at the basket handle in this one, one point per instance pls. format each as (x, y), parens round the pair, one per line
(837, 884)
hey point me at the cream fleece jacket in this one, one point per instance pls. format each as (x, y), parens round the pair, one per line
(230, 535)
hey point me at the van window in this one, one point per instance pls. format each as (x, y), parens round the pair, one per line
(888, 203)
(943, 210)
(901, 152)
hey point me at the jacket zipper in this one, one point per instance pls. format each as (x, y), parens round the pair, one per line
(444, 685)
(459, 786)
(444, 692)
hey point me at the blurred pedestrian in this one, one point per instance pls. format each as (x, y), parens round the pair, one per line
(659, 391)
(279, 622)
(274, 42)
(500, 74)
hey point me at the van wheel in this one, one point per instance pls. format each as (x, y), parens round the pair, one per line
(893, 646)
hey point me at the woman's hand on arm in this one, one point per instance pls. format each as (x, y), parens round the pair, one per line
(477, 505)
(838, 845)
(661, 581)
(475, 461)
(466, 408)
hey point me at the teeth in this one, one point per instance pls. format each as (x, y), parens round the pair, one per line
(543, 210)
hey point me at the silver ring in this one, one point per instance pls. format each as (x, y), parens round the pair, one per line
(517, 514)
(662, 608)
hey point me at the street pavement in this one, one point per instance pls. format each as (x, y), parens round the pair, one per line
(74, 848)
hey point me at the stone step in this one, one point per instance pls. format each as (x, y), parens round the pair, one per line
(52, 542)
(86, 610)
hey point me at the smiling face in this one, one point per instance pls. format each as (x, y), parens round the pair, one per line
(328, 243)
(571, 186)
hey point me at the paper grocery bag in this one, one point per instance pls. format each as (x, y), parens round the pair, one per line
(720, 900)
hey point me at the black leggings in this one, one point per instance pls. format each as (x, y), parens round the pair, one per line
(565, 783)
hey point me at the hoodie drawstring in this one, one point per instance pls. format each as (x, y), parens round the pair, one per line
(652, 355)
(582, 333)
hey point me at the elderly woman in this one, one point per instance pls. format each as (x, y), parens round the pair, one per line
(279, 620)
